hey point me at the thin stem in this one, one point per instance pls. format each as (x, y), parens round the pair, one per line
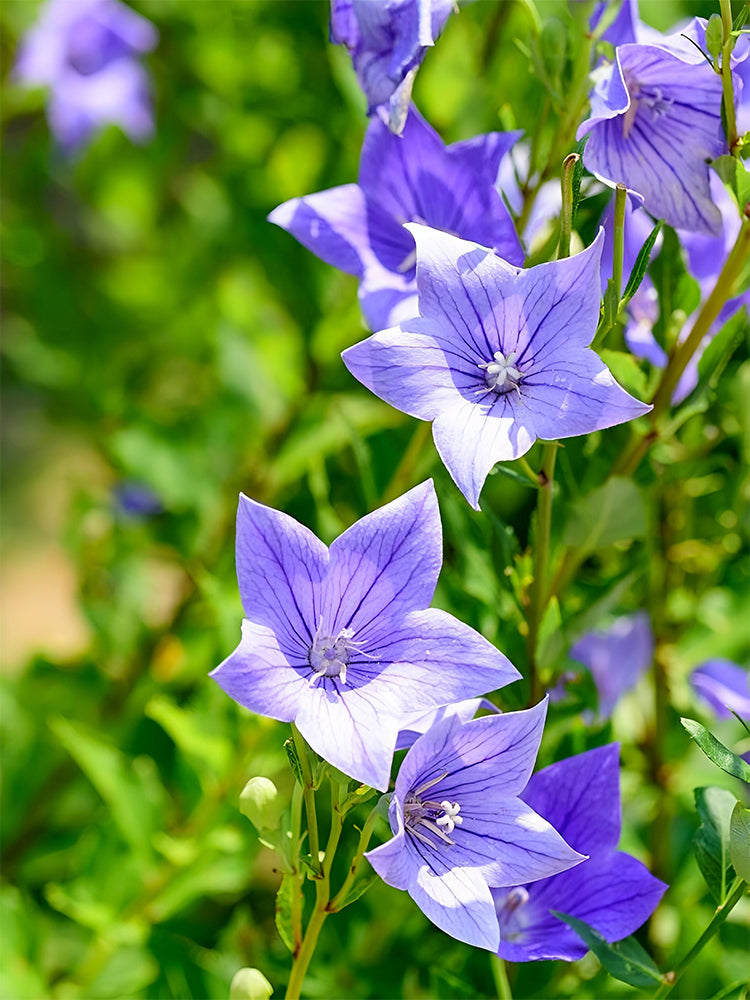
(722, 912)
(566, 216)
(322, 897)
(298, 873)
(308, 794)
(541, 558)
(728, 277)
(402, 477)
(532, 476)
(364, 840)
(727, 87)
(618, 248)
(500, 975)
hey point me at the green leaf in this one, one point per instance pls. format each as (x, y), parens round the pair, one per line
(359, 888)
(735, 176)
(711, 840)
(625, 960)
(613, 513)
(739, 840)
(294, 761)
(284, 899)
(517, 477)
(716, 751)
(185, 729)
(714, 359)
(714, 32)
(114, 778)
(641, 265)
(578, 176)
(626, 369)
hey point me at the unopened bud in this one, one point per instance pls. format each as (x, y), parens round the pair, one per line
(261, 803)
(250, 984)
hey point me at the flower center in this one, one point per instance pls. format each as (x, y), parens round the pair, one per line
(423, 816)
(516, 898)
(643, 96)
(501, 375)
(329, 655)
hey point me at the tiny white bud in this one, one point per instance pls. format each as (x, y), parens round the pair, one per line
(261, 803)
(249, 984)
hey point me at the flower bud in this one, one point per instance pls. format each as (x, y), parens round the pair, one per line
(261, 803)
(250, 984)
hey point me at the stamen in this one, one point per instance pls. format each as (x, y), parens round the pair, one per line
(501, 375)
(437, 818)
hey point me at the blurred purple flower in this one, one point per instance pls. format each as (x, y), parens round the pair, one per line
(498, 356)
(723, 685)
(84, 51)
(655, 121)
(387, 41)
(341, 641)
(460, 827)
(612, 891)
(616, 657)
(136, 500)
(415, 178)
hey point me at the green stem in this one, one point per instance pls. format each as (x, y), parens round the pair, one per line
(322, 898)
(541, 559)
(500, 975)
(629, 459)
(722, 912)
(727, 87)
(536, 22)
(566, 216)
(532, 476)
(308, 793)
(298, 873)
(618, 248)
(364, 840)
(404, 473)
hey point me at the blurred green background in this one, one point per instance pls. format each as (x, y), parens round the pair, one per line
(159, 335)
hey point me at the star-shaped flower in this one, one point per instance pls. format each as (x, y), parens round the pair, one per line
(611, 891)
(498, 356)
(387, 41)
(655, 121)
(341, 641)
(616, 657)
(460, 827)
(415, 178)
(84, 51)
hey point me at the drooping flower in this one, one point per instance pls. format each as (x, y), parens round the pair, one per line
(655, 121)
(611, 891)
(725, 686)
(415, 178)
(459, 826)
(85, 52)
(387, 41)
(497, 357)
(341, 640)
(616, 657)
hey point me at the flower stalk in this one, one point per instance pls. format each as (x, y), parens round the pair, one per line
(727, 86)
(539, 596)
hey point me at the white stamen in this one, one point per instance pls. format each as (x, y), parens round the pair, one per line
(450, 819)
(501, 375)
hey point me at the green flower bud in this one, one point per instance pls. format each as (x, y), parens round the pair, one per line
(714, 32)
(250, 984)
(261, 803)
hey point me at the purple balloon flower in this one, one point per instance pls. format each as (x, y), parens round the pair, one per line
(723, 685)
(387, 41)
(460, 827)
(341, 641)
(418, 725)
(612, 891)
(84, 51)
(498, 356)
(655, 121)
(415, 178)
(616, 657)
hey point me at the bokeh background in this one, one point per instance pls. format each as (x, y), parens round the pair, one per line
(164, 347)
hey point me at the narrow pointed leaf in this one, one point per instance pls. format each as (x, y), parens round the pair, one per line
(716, 751)
(641, 264)
(711, 840)
(284, 911)
(626, 960)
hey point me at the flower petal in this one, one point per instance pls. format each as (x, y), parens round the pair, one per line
(261, 675)
(333, 224)
(385, 565)
(459, 902)
(280, 566)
